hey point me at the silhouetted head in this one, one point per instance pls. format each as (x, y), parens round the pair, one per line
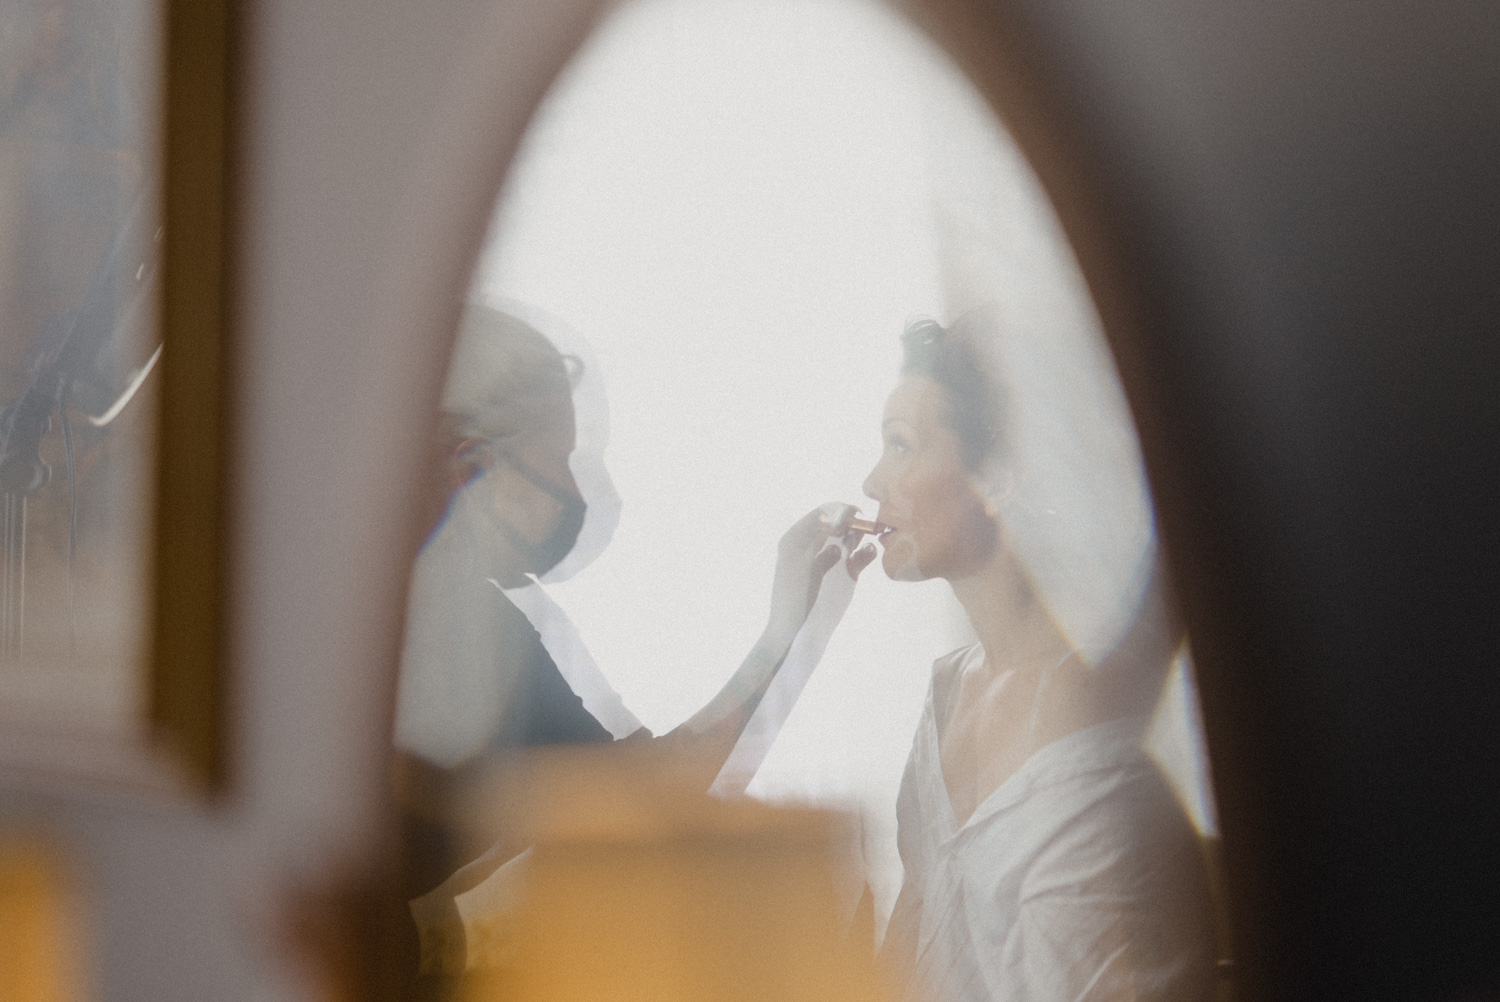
(508, 410)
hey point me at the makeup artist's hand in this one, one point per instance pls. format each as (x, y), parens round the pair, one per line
(807, 551)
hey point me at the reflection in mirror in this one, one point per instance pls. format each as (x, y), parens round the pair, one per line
(770, 296)
(78, 344)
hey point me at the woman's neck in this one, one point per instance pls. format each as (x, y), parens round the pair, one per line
(1014, 626)
(1019, 697)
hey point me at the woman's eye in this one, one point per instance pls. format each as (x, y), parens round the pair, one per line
(897, 444)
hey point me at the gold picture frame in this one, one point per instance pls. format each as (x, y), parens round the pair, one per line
(187, 685)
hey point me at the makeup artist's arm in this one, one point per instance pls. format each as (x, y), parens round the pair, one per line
(807, 551)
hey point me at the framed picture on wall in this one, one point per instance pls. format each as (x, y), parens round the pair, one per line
(114, 128)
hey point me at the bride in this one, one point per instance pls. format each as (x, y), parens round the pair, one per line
(1045, 856)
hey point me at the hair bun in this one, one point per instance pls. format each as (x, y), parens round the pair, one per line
(922, 332)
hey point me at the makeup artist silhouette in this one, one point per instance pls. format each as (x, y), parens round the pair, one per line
(477, 679)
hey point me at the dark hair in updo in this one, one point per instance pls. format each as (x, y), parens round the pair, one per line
(949, 357)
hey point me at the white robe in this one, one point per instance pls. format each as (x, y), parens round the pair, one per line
(1078, 878)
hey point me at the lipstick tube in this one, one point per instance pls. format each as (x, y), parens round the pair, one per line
(868, 525)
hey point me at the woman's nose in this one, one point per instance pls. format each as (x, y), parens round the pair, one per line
(872, 486)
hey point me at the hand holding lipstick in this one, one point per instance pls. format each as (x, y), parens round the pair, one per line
(807, 551)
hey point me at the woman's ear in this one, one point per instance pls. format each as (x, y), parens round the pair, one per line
(997, 488)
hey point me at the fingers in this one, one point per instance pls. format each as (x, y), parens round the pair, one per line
(860, 559)
(822, 564)
(831, 519)
(806, 531)
(837, 516)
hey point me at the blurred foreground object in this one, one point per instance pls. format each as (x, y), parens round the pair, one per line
(636, 887)
(37, 945)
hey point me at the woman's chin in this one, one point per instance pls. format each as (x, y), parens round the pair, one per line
(900, 563)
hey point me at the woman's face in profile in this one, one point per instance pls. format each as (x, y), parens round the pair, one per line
(939, 522)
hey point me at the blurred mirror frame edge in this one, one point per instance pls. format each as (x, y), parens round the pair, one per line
(1005, 57)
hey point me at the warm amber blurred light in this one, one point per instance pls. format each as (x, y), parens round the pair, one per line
(37, 941)
(638, 890)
